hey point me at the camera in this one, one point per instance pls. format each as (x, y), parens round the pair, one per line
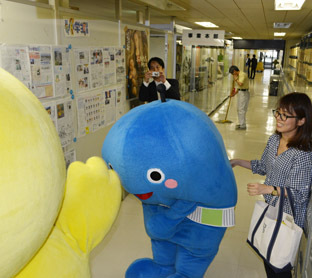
(155, 74)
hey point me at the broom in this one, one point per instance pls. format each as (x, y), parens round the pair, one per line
(225, 121)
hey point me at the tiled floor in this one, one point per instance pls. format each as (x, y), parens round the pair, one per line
(127, 240)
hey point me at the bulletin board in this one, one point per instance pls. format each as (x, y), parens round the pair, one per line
(77, 86)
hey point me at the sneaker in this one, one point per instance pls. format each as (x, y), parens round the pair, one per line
(239, 127)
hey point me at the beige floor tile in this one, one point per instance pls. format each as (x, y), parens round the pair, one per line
(248, 257)
(221, 270)
(250, 272)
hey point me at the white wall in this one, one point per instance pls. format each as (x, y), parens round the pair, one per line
(239, 58)
(23, 24)
(157, 47)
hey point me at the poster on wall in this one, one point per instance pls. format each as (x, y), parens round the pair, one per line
(136, 60)
(76, 28)
(15, 60)
(179, 48)
(82, 69)
(109, 66)
(61, 114)
(120, 101)
(62, 75)
(185, 75)
(90, 111)
(41, 71)
(120, 65)
(110, 106)
(65, 121)
(96, 67)
(50, 107)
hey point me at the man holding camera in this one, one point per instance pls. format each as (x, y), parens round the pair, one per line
(149, 90)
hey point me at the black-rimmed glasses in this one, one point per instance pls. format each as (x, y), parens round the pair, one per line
(282, 116)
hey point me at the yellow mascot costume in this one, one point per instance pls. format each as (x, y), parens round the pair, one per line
(48, 224)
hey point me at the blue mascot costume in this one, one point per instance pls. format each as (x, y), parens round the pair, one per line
(171, 156)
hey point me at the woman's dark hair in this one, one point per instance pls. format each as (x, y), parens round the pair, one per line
(156, 59)
(300, 105)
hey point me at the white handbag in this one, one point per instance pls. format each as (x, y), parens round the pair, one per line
(274, 235)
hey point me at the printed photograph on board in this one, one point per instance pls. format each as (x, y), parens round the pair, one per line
(136, 60)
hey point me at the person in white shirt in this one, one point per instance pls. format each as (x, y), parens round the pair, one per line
(241, 84)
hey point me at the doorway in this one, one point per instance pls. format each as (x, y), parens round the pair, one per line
(271, 58)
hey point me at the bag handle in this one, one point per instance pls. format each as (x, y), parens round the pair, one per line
(278, 223)
(291, 201)
(258, 224)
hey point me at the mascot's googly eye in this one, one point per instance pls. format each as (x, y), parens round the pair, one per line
(155, 175)
(110, 166)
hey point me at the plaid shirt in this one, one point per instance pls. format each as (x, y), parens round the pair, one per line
(291, 169)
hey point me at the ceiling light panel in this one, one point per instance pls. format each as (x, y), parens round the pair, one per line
(207, 24)
(288, 4)
(281, 25)
(279, 34)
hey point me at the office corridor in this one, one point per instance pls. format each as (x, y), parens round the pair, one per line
(127, 239)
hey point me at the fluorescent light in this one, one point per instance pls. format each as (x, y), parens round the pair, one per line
(281, 25)
(279, 34)
(288, 4)
(237, 38)
(181, 27)
(207, 24)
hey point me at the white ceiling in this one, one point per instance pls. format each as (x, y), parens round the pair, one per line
(249, 19)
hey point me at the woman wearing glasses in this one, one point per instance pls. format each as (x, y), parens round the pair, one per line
(286, 160)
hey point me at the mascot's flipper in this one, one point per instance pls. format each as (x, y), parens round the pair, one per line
(163, 222)
(91, 204)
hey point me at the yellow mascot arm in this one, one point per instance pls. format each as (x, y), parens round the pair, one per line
(91, 203)
(93, 196)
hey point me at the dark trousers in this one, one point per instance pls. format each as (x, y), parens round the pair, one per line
(253, 73)
(271, 274)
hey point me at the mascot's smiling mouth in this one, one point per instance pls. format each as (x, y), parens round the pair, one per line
(144, 196)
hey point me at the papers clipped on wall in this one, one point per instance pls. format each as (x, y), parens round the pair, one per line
(203, 37)
(82, 89)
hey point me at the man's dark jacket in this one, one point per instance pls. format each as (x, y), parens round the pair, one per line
(150, 93)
